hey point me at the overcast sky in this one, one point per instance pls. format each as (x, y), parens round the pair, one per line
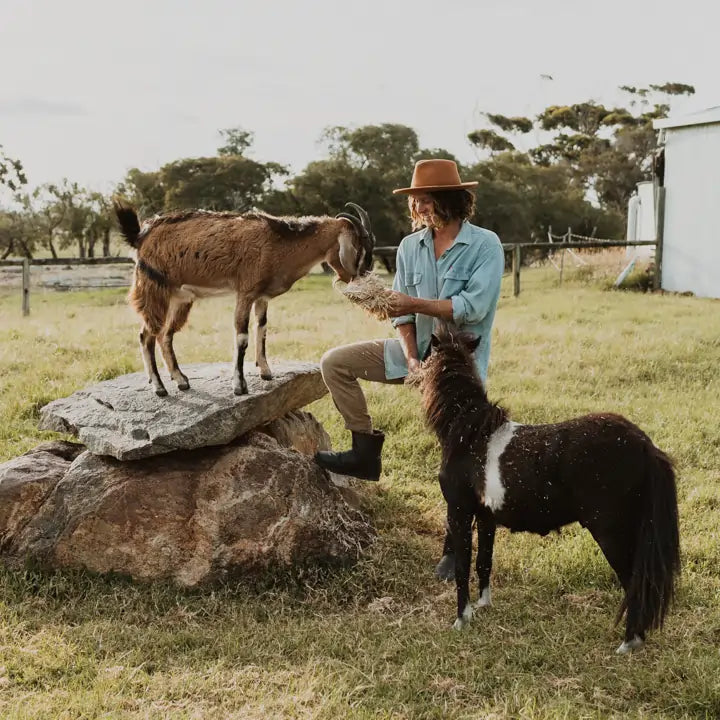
(91, 88)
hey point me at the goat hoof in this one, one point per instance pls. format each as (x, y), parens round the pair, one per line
(161, 392)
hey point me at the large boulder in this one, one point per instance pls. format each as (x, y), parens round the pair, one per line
(125, 419)
(27, 481)
(192, 517)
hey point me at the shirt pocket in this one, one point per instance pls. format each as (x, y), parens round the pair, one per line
(413, 281)
(455, 280)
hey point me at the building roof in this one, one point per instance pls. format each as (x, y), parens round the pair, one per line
(703, 117)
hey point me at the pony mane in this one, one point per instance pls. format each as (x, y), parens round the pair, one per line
(454, 400)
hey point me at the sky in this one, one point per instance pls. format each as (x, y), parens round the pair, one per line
(91, 88)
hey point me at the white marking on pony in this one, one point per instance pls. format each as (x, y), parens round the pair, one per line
(630, 645)
(484, 600)
(466, 617)
(494, 488)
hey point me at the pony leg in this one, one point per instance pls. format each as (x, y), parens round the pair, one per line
(445, 569)
(462, 506)
(461, 529)
(242, 323)
(260, 308)
(177, 317)
(617, 544)
(483, 562)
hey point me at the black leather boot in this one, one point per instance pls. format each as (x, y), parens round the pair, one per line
(363, 461)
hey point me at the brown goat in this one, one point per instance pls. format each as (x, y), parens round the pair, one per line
(189, 255)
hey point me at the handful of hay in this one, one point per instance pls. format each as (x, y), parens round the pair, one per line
(369, 292)
(414, 378)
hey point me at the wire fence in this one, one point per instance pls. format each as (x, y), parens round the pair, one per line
(557, 246)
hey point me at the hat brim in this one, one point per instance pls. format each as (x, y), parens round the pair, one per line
(433, 188)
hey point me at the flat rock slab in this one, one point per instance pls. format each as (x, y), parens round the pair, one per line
(124, 418)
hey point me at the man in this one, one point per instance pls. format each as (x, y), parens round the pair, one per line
(449, 270)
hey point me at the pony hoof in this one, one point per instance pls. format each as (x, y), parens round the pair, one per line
(630, 645)
(184, 385)
(241, 390)
(459, 624)
(161, 392)
(484, 599)
(266, 376)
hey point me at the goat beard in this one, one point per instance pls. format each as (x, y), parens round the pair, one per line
(369, 292)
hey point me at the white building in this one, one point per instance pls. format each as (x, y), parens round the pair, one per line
(691, 222)
(641, 220)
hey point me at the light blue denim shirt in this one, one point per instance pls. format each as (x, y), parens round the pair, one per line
(468, 273)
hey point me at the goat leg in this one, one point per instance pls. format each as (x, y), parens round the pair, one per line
(177, 317)
(242, 324)
(147, 346)
(260, 308)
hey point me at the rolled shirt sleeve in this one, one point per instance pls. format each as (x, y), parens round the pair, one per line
(480, 294)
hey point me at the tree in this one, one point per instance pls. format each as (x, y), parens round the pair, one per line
(607, 150)
(144, 190)
(521, 200)
(12, 174)
(237, 141)
(226, 182)
(17, 234)
(46, 209)
(364, 165)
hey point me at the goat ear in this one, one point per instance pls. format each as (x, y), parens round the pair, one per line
(348, 252)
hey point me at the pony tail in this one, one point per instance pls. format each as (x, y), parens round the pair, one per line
(657, 549)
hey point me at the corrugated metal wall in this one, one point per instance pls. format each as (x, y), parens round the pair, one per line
(691, 254)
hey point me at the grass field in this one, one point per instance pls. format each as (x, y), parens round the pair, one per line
(374, 641)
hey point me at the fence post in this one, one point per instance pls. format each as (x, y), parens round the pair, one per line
(516, 259)
(562, 254)
(26, 286)
(660, 231)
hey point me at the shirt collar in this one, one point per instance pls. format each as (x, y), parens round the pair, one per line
(462, 238)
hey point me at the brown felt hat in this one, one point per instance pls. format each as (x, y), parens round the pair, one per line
(433, 175)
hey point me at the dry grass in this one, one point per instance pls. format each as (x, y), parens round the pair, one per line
(374, 640)
(601, 266)
(370, 293)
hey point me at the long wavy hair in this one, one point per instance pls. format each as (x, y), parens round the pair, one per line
(448, 205)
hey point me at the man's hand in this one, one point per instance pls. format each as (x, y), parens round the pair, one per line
(413, 365)
(401, 304)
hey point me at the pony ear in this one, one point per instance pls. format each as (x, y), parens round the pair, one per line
(471, 342)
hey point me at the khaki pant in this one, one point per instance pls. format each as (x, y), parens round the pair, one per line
(341, 369)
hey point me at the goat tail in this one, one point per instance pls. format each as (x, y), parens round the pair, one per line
(656, 559)
(129, 223)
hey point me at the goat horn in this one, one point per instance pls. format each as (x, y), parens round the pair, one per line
(364, 217)
(357, 224)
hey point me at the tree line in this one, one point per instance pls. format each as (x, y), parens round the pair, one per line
(573, 165)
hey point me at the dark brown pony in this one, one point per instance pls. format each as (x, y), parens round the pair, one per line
(599, 470)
